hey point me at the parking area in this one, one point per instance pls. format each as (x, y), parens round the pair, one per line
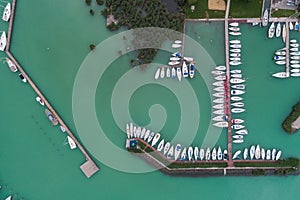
(285, 4)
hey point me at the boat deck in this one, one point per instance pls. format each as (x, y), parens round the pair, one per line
(287, 44)
(89, 167)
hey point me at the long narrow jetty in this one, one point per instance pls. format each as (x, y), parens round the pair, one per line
(89, 167)
(227, 99)
(287, 44)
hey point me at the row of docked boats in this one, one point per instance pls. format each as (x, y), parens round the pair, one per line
(257, 153)
(235, 45)
(234, 29)
(277, 31)
(187, 70)
(177, 44)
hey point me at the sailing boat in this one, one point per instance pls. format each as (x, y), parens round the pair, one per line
(71, 142)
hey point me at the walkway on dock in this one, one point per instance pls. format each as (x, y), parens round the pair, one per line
(89, 167)
(287, 44)
(227, 99)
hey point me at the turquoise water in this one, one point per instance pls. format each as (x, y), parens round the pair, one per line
(35, 163)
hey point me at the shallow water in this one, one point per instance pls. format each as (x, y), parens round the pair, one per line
(35, 163)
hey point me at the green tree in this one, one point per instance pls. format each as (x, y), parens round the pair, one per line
(88, 2)
(92, 12)
(92, 47)
(100, 2)
(191, 2)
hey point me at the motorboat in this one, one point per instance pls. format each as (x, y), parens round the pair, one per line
(284, 33)
(71, 142)
(239, 86)
(183, 155)
(237, 110)
(265, 19)
(167, 147)
(196, 153)
(236, 46)
(177, 41)
(147, 135)
(236, 80)
(217, 72)
(296, 53)
(238, 137)
(280, 53)
(235, 63)
(219, 154)
(161, 145)
(173, 72)
(63, 129)
(245, 153)
(237, 92)
(268, 157)
(201, 154)
(234, 28)
(6, 12)
(291, 26)
(273, 154)
(176, 54)
(138, 132)
(235, 33)
(219, 118)
(237, 121)
(50, 116)
(214, 154)
(280, 75)
(3, 41)
(255, 23)
(235, 50)
(219, 94)
(222, 68)
(175, 46)
(219, 112)
(162, 72)
(279, 57)
(220, 78)
(271, 30)
(296, 27)
(238, 104)
(295, 45)
(219, 100)
(293, 41)
(207, 154)
(11, 65)
(225, 154)
(190, 153)
(151, 136)
(263, 153)
(157, 73)
(219, 83)
(192, 70)
(252, 152)
(40, 101)
(236, 98)
(238, 141)
(234, 24)
(131, 130)
(234, 41)
(295, 66)
(235, 58)
(242, 132)
(236, 154)
(294, 49)
(278, 155)
(236, 71)
(168, 73)
(175, 59)
(237, 126)
(177, 151)
(179, 75)
(219, 89)
(170, 153)
(295, 70)
(188, 59)
(235, 54)
(221, 124)
(236, 75)
(134, 131)
(172, 63)
(185, 71)
(155, 139)
(257, 152)
(295, 74)
(280, 62)
(294, 61)
(278, 29)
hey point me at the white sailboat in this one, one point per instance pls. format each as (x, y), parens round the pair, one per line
(234, 24)
(219, 118)
(238, 104)
(268, 157)
(150, 137)
(143, 133)
(3, 41)
(284, 33)
(280, 75)
(168, 73)
(237, 126)
(236, 98)
(214, 154)
(242, 132)
(190, 153)
(161, 145)
(235, 33)
(273, 154)
(177, 151)
(185, 71)
(237, 110)
(257, 152)
(236, 154)
(219, 89)
(219, 83)
(6, 12)
(162, 72)
(207, 154)
(271, 30)
(263, 153)
(237, 92)
(167, 147)
(236, 80)
(201, 154)
(222, 68)
(245, 153)
(219, 154)
(170, 153)
(219, 112)
(278, 29)
(278, 155)
(221, 124)
(252, 152)
(196, 153)
(155, 139)
(218, 106)
(183, 154)
(234, 41)
(173, 72)
(219, 94)
(235, 50)
(157, 73)
(71, 142)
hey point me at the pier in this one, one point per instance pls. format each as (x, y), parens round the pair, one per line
(287, 44)
(227, 97)
(89, 167)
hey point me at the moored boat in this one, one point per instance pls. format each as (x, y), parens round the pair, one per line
(284, 33)
(280, 53)
(192, 70)
(296, 27)
(219, 118)
(183, 154)
(238, 104)
(271, 30)
(280, 75)
(177, 151)
(225, 154)
(71, 142)
(172, 63)
(217, 72)
(220, 68)
(11, 65)
(50, 116)
(219, 100)
(294, 61)
(294, 45)
(190, 153)
(155, 139)
(238, 86)
(278, 155)
(3, 41)
(138, 132)
(168, 73)
(6, 12)
(236, 80)
(252, 152)
(242, 132)
(221, 124)
(273, 154)
(147, 135)
(175, 59)
(238, 137)
(196, 153)
(219, 94)
(219, 154)
(263, 153)
(157, 73)
(235, 63)
(236, 46)
(219, 89)
(234, 41)
(219, 83)
(278, 29)
(235, 54)
(235, 50)
(257, 152)
(201, 155)
(279, 57)
(295, 74)
(170, 153)
(237, 121)
(294, 49)
(188, 59)
(236, 71)
(236, 98)
(295, 70)
(207, 154)
(237, 92)
(236, 75)
(245, 153)
(218, 106)
(265, 19)
(295, 66)
(162, 72)
(185, 71)
(237, 110)
(161, 145)
(236, 154)
(173, 72)
(234, 24)
(239, 141)
(40, 100)
(214, 154)
(167, 147)
(280, 62)
(177, 42)
(179, 76)
(235, 33)
(237, 126)
(150, 137)
(234, 28)
(175, 46)
(220, 78)
(176, 54)
(268, 157)
(219, 112)
(291, 26)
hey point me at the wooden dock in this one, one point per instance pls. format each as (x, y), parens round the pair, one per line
(89, 167)
(287, 44)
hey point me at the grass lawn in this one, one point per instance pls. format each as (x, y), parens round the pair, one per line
(245, 8)
(282, 13)
(201, 7)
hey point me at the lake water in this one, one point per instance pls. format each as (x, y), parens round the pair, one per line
(52, 41)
